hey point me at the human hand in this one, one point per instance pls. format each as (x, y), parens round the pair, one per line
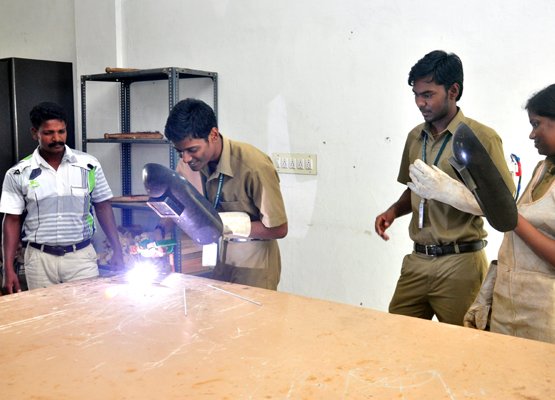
(382, 223)
(432, 183)
(236, 223)
(478, 314)
(116, 261)
(11, 282)
(428, 182)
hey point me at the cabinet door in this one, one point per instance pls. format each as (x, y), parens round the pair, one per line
(23, 84)
(6, 126)
(36, 81)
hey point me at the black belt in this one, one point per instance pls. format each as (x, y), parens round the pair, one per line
(60, 250)
(434, 250)
(242, 239)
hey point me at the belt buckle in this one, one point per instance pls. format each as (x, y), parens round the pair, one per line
(431, 247)
(236, 239)
(57, 250)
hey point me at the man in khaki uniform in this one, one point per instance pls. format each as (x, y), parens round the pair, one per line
(443, 274)
(235, 177)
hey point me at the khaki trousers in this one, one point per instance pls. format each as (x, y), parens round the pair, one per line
(43, 270)
(443, 286)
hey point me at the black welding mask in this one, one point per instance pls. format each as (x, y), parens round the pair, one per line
(480, 175)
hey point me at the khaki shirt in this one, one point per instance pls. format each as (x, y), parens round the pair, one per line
(547, 179)
(250, 185)
(444, 224)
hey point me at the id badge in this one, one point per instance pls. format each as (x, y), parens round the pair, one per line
(209, 255)
(421, 213)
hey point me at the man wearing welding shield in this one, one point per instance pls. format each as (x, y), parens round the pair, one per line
(241, 183)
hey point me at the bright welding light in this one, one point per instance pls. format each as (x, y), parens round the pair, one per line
(141, 276)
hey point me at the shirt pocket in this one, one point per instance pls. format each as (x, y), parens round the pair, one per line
(232, 206)
(79, 192)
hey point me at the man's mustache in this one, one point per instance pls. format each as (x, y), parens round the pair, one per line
(56, 144)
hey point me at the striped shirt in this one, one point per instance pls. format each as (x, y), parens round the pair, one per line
(58, 203)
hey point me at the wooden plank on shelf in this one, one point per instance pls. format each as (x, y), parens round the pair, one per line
(111, 70)
(136, 198)
(134, 135)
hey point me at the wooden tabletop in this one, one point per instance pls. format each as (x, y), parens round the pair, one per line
(104, 339)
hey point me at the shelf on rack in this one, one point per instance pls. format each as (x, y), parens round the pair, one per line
(131, 202)
(150, 75)
(139, 205)
(130, 141)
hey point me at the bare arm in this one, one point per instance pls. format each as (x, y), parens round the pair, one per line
(398, 209)
(11, 229)
(259, 231)
(105, 216)
(541, 244)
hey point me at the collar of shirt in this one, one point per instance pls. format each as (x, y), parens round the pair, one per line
(69, 157)
(459, 117)
(37, 160)
(224, 165)
(550, 164)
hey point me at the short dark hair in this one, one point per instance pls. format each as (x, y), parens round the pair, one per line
(46, 111)
(444, 69)
(543, 102)
(190, 118)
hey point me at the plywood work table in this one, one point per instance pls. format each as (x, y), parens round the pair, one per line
(100, 340)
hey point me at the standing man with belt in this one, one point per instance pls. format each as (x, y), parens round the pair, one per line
(51, 194)
(243, 185)
(443, 274)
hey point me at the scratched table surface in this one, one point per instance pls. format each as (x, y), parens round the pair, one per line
(103, 339)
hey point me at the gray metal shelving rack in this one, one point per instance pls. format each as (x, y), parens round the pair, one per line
(173, 75)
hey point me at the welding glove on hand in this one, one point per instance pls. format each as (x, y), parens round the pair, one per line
(431, 183)
(478, 314)
(236, 224)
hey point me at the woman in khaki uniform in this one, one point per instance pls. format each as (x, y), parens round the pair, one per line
(519, 290)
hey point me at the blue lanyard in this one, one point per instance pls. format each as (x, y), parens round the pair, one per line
(218, 192)
(423, 200)
(425, 139)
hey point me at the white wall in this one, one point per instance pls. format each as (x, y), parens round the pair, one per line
(329, 77)
(43, 30)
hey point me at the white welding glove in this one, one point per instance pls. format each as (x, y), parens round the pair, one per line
(432, 183)
(236, 223)
(477, 316)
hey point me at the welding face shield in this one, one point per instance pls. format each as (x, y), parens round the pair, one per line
(480, 175)
(172, 196)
